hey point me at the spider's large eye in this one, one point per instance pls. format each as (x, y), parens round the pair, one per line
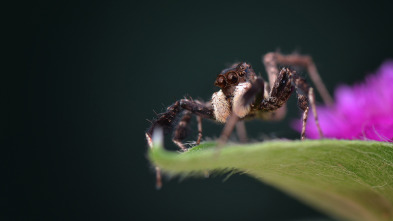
(220, 81)
(232, 78)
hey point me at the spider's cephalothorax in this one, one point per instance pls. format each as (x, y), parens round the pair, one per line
(229, 78)
(244, 95)
(233, 82)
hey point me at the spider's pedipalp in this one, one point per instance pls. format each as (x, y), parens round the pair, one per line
(238, 106)
(221, 106)
(251, 95)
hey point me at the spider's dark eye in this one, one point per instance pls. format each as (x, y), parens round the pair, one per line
(232, 78)
(220, 81)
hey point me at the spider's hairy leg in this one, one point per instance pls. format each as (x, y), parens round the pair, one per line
(181, 130)
(164, 120)
(241, 131)
(168, 118)
(203, 113)
(228, 128)
(199, 120)
(204, 110)
(282, 89)
(305, 97)
(304, 122)
(303, 104)
(311, 97)
(271, 67)
(273, 59)
(198, 108)
(279, 94)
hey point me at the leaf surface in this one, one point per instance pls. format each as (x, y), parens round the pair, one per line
(351, 180)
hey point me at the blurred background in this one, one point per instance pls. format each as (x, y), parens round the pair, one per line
(87, 77)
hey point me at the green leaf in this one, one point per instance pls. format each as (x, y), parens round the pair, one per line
(351, 180)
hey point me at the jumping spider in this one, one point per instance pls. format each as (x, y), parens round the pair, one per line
(244, 95)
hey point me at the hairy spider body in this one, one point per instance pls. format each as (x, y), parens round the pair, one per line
(244, 95)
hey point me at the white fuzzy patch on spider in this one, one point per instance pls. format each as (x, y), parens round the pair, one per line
(221, 106)
(237, 103)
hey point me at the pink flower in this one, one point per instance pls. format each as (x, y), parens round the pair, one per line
(363, 111)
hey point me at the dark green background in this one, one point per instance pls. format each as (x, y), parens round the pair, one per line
(88, 75)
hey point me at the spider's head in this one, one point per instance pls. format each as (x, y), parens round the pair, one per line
(238, 73)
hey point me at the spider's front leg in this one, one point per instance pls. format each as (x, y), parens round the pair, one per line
(181, 130)
(167, 119)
